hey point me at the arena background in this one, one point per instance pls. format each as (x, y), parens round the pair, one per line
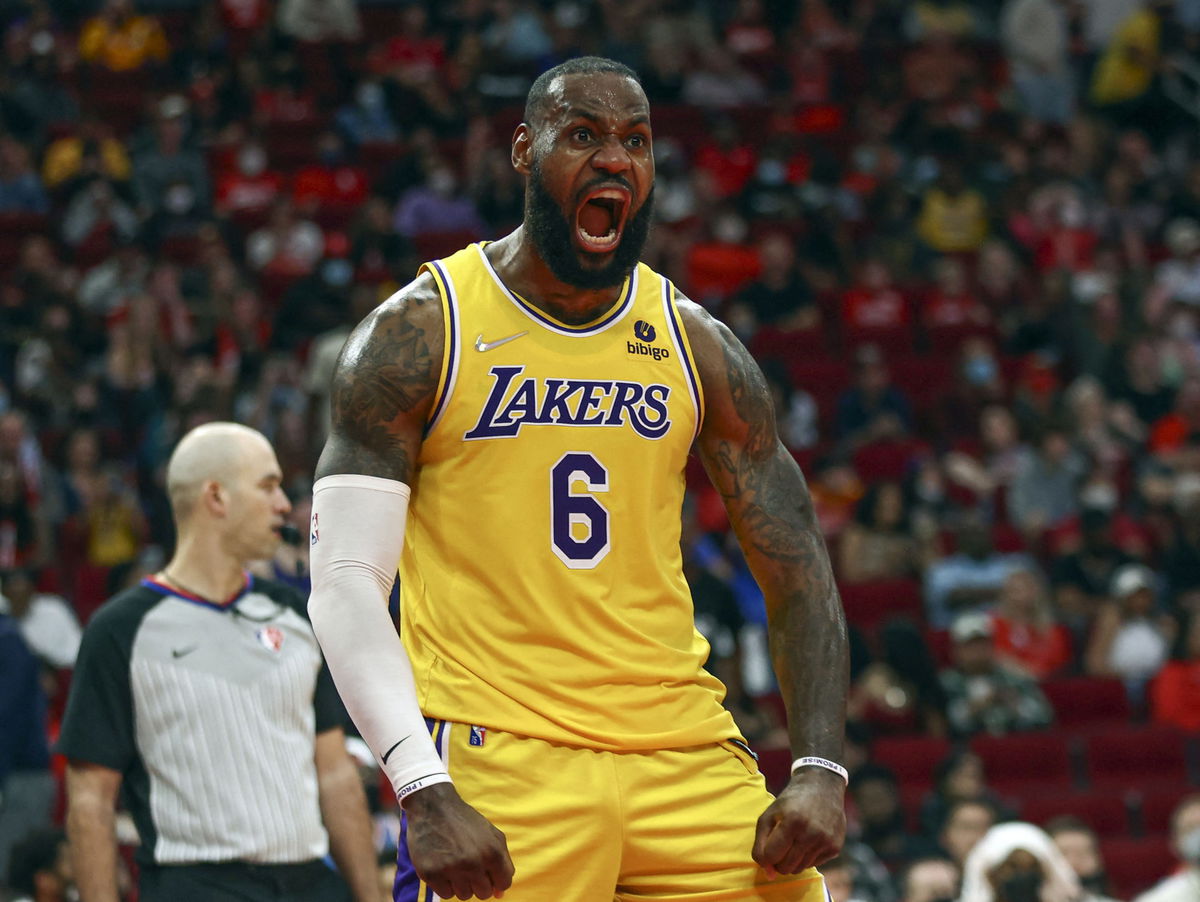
(962, 239)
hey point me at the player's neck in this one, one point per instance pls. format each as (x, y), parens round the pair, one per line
(526, 274)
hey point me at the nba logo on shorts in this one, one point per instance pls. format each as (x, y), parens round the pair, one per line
(271, 638)
(478, 735)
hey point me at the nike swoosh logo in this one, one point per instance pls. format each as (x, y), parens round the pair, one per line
(481, 345)
(392, 749)
(180, 652)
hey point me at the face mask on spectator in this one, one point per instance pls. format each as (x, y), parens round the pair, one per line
(1023, 886)
(337, 273)
(772, 172)
(179, 199)
(980, 370)
(252, 161)
(1189, 846)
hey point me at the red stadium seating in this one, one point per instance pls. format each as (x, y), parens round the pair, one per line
(1025, 763)
(1107, 814)
(1090, 702)
(1137, 756)
(1156, 805)
(870, 604)
(1134, 865)
(911, 758)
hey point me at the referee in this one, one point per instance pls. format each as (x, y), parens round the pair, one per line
(202, 696)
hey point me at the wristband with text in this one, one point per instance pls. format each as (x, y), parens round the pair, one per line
(821, 762)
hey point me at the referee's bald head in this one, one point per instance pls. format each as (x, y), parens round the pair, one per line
(212, 453)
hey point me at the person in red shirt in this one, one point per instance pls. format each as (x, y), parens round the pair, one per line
(952, 306)
(1175, 694)
(730, 159)
(875, 305)
(252, 187)
(1023, 625)
(331, 182)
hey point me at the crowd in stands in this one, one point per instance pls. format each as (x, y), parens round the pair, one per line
(962, 237)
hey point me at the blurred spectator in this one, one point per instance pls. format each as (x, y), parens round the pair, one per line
(1080, 847)
(252, 186)
(1036, 34)
(716, 80)
(1129, 640)
(90, 151)
(872, 408)
(105, 287)
(951, 307)
(20, 188)
(22, 529)
(880, 544)
(841, 880)
(929, 880)
(1027, 636)
(970, 579)
(331, 182)
(966, 824)
(169, 175)
(1083, 578)
(316, 21)
(876, 797)
(957, 778)
(1185, 842)
(1003, 455)
(98, 215)
(796, 412)
(415, 52)
(899, 691)
(1125, 70)
(315, 303)
(1175, 694)
(121, 40)
(727, 156)
(1135, 379)
(437, 205)
(780, 296)
(982, 695)
(874, 305)
(1044, 490)
(1016, 862)
(516, 32)
(41, 867)
(1178, 277)
(953, 216)
(46, 621)
(287, 244)
(367, 119)
(26, 787)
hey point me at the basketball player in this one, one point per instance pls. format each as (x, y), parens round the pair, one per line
(512, 427)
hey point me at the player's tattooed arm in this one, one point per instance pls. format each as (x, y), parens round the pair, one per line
(772, 514)
(384, 386)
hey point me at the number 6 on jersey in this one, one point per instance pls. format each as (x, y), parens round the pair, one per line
(573, 513)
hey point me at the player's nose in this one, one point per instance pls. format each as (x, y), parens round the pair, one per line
(612, 155)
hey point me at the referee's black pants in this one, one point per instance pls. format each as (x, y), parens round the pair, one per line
(238, 881)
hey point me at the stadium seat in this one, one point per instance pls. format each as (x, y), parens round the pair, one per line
(1156, 805)
(911, 758)
(1135, 865)
(1088, 702)
(1105, 813)
(1137, 756)
(870, 604)
(1025, 763)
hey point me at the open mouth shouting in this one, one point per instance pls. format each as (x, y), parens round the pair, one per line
(600, 218)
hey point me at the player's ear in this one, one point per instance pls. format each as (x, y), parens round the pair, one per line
(522, 149)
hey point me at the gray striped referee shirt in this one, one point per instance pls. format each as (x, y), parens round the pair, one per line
(210, 713)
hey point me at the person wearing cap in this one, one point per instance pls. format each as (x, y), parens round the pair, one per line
(981, 694)
(1129, 639)
(1015, 862)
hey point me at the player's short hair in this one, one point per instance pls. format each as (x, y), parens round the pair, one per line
(539, 91)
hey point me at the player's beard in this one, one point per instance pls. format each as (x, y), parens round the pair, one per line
(552, 234)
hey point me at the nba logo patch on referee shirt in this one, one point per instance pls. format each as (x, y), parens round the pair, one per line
(478, 735)
(271, 638)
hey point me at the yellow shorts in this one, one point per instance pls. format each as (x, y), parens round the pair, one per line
(594, 826)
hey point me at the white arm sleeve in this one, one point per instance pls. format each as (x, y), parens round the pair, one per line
(357, 534)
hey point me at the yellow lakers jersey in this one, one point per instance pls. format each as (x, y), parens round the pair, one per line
(542, 589)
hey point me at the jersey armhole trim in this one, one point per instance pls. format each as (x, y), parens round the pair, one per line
(684, 351)
(451, 350)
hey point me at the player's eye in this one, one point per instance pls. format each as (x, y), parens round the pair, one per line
(636, 141)
(582, 135)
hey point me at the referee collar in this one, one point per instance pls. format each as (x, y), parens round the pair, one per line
(162, 588)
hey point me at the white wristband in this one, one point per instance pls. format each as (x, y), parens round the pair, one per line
(821, 762)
